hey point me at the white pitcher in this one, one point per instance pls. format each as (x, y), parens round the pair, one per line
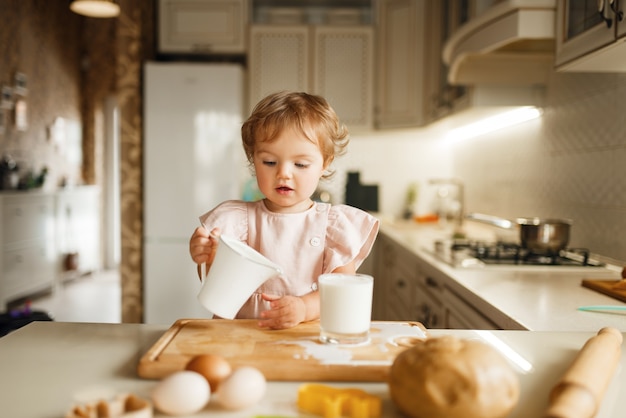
(237, 271)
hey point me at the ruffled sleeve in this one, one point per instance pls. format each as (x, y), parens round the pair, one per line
(350, 235)
(231, 217)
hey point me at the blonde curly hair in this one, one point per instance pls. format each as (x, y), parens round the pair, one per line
(311, 115)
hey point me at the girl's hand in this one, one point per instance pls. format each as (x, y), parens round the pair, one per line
(203, 245)
(289, 311)
(285, 312)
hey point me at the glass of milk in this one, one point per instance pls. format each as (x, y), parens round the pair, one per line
(345, 307)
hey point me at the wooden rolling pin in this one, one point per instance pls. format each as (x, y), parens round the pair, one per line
(580, 391)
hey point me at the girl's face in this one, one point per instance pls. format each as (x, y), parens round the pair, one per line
(288, 170)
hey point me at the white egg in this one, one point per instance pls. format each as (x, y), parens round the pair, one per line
(243, 388)
(181, 393)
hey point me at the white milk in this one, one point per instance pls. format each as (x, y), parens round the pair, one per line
(345, 307)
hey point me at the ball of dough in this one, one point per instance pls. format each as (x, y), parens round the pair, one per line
(448, 377)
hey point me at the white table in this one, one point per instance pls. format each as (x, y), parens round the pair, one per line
(45, 366)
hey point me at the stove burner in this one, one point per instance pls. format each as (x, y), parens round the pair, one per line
(511, 253)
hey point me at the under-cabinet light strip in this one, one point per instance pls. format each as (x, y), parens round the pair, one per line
(495, 122)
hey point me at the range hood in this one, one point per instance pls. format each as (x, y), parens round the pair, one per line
(510, 43)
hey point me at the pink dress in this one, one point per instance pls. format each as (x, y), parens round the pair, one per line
(304, 244)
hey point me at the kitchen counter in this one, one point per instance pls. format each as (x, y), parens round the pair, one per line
(515, 297)
(46, 366)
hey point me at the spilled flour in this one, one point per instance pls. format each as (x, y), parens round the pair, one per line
(382, 335)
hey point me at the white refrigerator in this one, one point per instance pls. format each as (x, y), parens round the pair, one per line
(193, 160)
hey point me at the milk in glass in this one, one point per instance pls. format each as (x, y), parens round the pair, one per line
(345, 307)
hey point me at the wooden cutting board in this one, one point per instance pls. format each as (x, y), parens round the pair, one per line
(293, 354)
(607, 287)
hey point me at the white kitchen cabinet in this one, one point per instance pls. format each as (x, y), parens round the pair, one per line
(343, 72)
(591, 36)
(202, 26)
(78, 227)
(38, 229)
(278, 60)
(335, 62)
(402, 95)
(28, 251)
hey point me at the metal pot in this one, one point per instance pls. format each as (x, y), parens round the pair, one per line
(544, 235)
(541, 236)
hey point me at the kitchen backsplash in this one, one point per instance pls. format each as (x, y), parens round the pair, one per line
(570, 163)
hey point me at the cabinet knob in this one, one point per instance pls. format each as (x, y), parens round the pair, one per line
(430, 282)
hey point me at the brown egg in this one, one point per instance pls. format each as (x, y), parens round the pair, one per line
(214, 368)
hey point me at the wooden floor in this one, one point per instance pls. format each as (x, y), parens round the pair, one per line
(94, 297)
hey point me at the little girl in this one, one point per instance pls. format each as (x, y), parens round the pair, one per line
(290, 140)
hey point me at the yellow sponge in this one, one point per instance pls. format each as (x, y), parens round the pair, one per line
(331, 402)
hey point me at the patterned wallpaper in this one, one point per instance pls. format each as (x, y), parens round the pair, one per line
(72, 64)
(133, 23)
(41, 40)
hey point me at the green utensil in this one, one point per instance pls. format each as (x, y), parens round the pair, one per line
(603, 308)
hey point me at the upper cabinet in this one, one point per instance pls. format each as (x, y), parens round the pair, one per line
(509, 43)
(401, 97)
(335, 62)
(444, 97)
(486, 56)
(343, 73)
(202, 26)
(412, 84)
(591, 36)
(278, 60)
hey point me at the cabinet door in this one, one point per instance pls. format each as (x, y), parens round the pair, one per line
(278, 60)
(401, 281)
(401, 95)
(429, 306)
(202, 26)
(583, 27)
(445, 17)
(382, 261)
(461, 315)
(27, 270)
(621, 20)
(28, 249)
(78, 226)
(27, 218)
(343, 72)
(430, 311)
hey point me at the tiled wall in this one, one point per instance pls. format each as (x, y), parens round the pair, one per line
(569, 164)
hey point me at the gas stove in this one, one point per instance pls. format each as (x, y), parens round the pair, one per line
(471, 253)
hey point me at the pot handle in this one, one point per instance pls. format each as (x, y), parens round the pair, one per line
(492, 220)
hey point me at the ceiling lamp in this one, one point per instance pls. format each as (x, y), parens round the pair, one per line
(95, 8)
